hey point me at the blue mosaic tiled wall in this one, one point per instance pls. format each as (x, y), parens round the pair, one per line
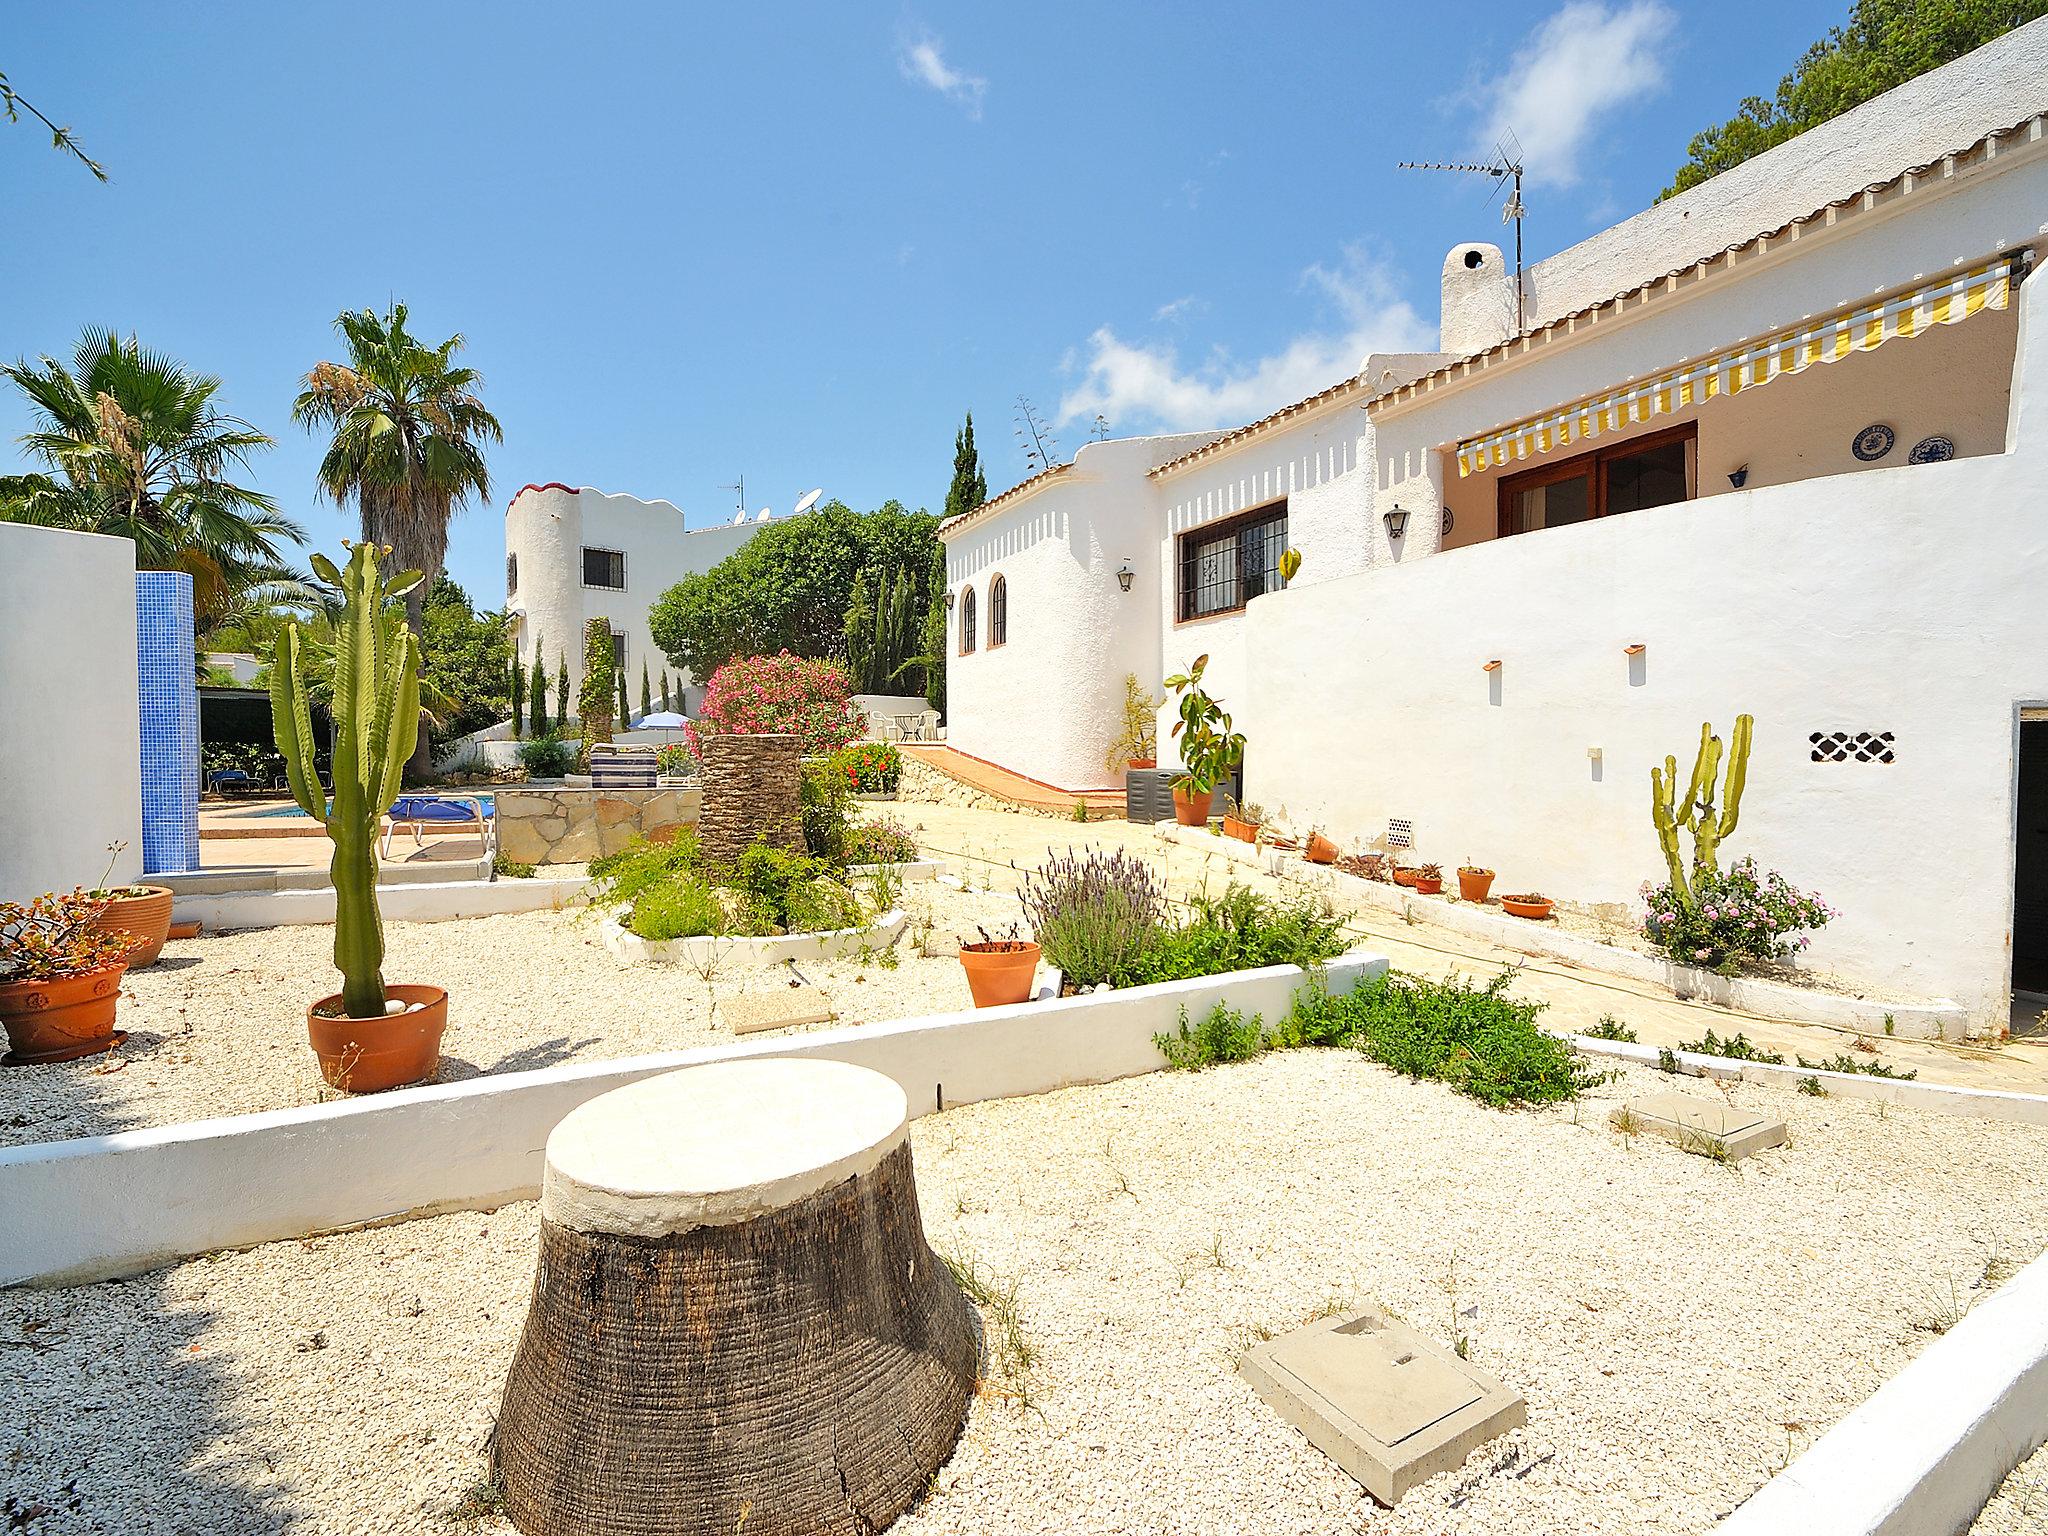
(169, 697)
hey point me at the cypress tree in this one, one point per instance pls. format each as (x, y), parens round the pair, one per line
(646, 694)
(562, 691)
(537, 706)
(625, 715)
(970, 486)
(518, 699)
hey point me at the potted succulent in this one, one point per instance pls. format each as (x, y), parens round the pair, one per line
(368, 1036)
(1242, 821)
(1474, 882)
(1136, 743)
(1428, 881)
(1320, 849)
(1529, 904)
(1209, 749)
(140, 912)
(999, 970)
(60, 978)
(1404, 875)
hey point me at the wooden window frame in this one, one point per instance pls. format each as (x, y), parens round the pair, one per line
(1206, 533)
(583, 552)
(968, 620)
(998, 610)
(1593, 465)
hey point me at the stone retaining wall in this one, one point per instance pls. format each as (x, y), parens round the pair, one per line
(573, 826)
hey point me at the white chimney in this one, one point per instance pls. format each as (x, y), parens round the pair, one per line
(1478, 299)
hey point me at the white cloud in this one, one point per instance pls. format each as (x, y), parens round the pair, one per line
(1174, 309)
(1573, 70)
(1145, 385)
(921, 61)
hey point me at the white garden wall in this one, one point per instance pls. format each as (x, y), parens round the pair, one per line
(1902, 599)
(70, 733)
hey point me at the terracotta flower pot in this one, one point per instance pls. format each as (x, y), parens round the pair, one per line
(146, 918)
(1404, 875)
(1473, 884)
(1527, 906)
(1320, 849)
(60, 1020)
(370, 1055)
(1143, 762)
(1427, 885)
(1243, 831)
(1191, 807)
(1001, 972)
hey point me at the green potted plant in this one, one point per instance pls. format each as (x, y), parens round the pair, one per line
(60, 978)
(1428, 881)
(1136, 743)
(1242, 820)
(368, 1035)
(1210, 749)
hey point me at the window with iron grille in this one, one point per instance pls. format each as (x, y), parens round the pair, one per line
(1224, 566)
(604, 568)
(966, 621)
(998, 612)
(618, 654)
(511, 574)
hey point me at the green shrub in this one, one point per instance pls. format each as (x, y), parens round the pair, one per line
(674, 760)
(1736, 1047)
(1224, 1035)
(819, 906)
(827, 810)
(1094, 914)
(547, 755)
(1842, 1061)
(794, 892)
(1239, 930)
(510, 869)
(885, 840)
(1478, 1040)
(1611, 1028)
(869, 767)
(681, 907)
(640, 865)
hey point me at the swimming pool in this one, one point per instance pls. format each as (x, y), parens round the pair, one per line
(277, 812)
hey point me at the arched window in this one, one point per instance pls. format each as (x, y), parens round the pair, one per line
(998, 611)
(967, 621)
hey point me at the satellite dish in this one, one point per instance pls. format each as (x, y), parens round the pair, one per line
(739, 517)
(808, 500)
(761, 516)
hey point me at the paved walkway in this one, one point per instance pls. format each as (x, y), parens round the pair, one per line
(996, 846)
(1014, 787)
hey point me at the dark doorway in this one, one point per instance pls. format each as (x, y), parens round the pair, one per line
(2030, 863)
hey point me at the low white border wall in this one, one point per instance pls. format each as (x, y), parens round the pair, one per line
(1922, 1454)
(1929, 1019)
(105, 1206)
(413, 902)
(715, 952)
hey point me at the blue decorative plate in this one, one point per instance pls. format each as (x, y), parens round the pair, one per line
(1932, 450)
(1873, 442)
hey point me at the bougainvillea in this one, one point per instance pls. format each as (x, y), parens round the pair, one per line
(780, 695)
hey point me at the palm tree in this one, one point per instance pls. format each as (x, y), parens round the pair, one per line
(408, 443)
(134, 446)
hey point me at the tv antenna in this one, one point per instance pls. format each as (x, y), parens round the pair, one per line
(1506, 170)
(740, 490)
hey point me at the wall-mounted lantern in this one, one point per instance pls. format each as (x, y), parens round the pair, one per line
(1396, 520)
(1124, 574)
(1737, 477)
(951, 598)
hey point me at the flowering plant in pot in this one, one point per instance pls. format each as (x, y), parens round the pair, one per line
(1210, 749)
(60, 978)
(1474, 882)
(141, 913)
(999, 970)
(368, 1035)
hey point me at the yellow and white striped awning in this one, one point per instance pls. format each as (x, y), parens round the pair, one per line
(1862, 329)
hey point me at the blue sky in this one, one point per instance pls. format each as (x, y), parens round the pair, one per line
(798, 242)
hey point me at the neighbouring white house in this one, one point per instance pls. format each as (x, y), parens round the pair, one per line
(573, 554)
(1777, 445)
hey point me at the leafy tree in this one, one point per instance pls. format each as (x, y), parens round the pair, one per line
(970, 486)
(12, 105)
(594, 700)
(135, 447)
(788, 588)
(1886, 43)
(464, 657)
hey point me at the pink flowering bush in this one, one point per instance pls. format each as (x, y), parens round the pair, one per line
(1735, 916)
(780, 695)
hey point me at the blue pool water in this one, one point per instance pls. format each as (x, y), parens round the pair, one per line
(277, 811)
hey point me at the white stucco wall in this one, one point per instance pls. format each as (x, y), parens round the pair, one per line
(1942, 111)
(548, 527)
(1902, 599)
(70, 737)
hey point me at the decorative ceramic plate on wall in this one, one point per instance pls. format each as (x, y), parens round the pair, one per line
(1873, 442)
(1932, 450)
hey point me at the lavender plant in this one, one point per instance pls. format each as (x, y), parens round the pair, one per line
(1094, 914)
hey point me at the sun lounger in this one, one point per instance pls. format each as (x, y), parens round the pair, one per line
(419, 814)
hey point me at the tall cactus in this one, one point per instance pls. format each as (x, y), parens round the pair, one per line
(376, 709)
(1696, 813)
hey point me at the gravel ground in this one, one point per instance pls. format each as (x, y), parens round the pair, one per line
(218, 1026)
(2020, 1507)
(1680, 1329)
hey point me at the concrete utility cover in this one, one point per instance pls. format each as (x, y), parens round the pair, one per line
(1697, 1123)
(1389, 1406)
(750, 1012)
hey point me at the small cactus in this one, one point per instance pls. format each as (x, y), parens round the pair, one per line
(1696, 813)
(376, 709)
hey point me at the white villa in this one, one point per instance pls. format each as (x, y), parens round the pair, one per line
(573, 554)
(1777, 445)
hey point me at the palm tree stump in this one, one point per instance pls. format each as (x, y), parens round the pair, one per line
(736, 1324)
